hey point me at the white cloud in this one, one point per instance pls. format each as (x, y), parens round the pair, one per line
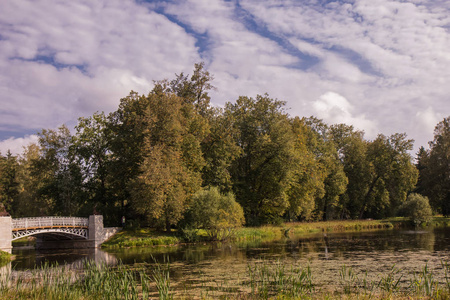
(335, 109)
(16, 145)
(62, 60)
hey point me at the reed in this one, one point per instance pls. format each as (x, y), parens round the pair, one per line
(161, 275)
(272, 279)
(265, 280)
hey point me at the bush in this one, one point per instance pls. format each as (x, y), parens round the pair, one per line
(417, 208)
(218, 214)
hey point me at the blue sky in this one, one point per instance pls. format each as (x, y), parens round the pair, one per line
(380, 65)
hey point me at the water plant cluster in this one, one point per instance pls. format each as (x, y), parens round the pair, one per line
(264, 280)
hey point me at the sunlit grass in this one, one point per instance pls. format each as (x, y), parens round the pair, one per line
(150, 237)
(140, 237)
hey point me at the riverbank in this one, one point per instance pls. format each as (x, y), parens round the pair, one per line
(136, 237)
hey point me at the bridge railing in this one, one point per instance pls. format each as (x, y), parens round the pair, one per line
(43, 222)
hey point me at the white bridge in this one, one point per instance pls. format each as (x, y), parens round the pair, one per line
(55, 232)
(70, 227)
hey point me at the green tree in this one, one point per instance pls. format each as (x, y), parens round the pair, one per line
(307, 182)
(9, 185)
(59, 174)
(262, 173)
(417, 208)
(194, 90)
(331, 169)
(220, 150)
(30, 202)
(126, 129)
(393, 175)
(170, 170)
(217, 213)
(91, 151)
(434, 166)
(352, 152)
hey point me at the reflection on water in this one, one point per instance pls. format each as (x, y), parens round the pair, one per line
(211, 263)
(331, 246)
(29, 258)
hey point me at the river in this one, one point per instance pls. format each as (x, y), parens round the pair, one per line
(372, 253)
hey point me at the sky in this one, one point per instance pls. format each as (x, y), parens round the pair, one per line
(382, 66)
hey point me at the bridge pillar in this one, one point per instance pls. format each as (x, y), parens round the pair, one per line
(96, 230)
(6, 234)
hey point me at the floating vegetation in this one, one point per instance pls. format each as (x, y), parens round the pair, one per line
(264, 279)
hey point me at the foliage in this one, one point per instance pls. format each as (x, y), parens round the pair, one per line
(417, 208)
(434, 166)
(264, 169)
(168, 176)
(219, 214)
(147, 159)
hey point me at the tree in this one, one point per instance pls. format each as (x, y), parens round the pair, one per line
(262, 173)
(417, 208)
(91, 151)
(126, 128)
(60, 180)
(392, 175)
(9, 185)
(331, 169)
(220, 150)
(217, 213)
(307, 182)
(194, 90)
(30, 202)
(434, 166)
(352, 152)
(170, 170)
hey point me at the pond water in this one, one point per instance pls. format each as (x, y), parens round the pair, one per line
(372, 253)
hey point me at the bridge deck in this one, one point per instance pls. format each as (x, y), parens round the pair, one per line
(49, 222)
(49, 227)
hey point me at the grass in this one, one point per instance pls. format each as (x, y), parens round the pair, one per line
(265, 279)
(149, 237)
(140, 237)
(5, 258)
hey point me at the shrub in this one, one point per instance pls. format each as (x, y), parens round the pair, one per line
(217, 213)
(417, 208)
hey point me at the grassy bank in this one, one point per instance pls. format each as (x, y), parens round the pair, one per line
(140, 237)
(150, 237)
(5, 258)
(262, 280)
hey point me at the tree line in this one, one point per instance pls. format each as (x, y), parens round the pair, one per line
(151, 157)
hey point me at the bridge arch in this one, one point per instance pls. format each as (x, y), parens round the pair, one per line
(68, 227)
(70, 233)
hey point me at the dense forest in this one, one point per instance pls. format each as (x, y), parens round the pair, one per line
(148, 159)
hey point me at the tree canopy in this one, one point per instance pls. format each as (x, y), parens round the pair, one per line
(154, 158)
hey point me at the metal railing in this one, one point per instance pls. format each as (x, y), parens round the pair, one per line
(49, 222)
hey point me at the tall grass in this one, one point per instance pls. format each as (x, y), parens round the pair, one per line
(272, 279)
(264, 280)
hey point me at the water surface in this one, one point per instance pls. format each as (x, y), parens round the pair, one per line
(216, 264)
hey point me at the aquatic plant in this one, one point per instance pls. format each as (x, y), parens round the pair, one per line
(270, 279)
(390, 283)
